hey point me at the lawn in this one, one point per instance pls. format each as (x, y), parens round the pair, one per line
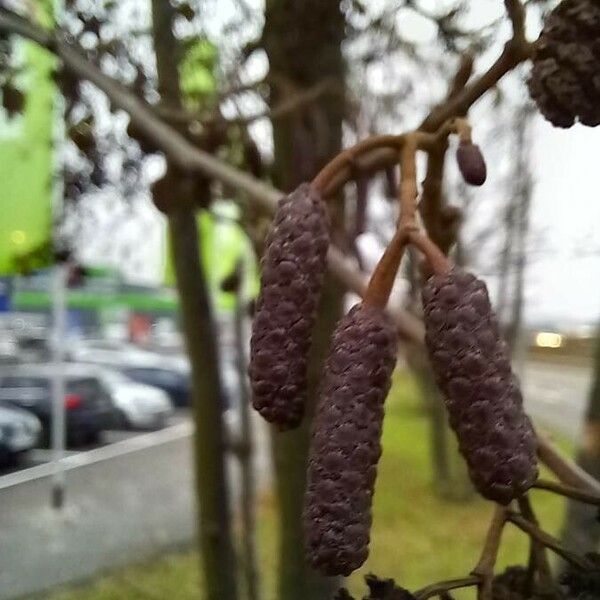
(417, 538)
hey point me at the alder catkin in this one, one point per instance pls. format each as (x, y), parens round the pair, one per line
(346, 441)
(293, 268)
(565, 77)
(473, 371)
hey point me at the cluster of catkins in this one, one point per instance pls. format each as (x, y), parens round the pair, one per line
(469, 359)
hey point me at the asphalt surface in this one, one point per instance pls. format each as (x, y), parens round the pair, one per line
(556, 395)
(39, 456)
(126, 501)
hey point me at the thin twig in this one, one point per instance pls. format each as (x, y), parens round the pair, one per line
(547, 540)
(287, 106)
(565, 470)
(383, 277)
(516, 13)
(485, 566)
(515, 51)
(462, 75)
(538, 559)
(436, 259)
(568, 491)
(445, 586)
(407, 190)
(347, 160)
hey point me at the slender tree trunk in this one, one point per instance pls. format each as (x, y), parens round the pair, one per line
(246, 446)
(581, 530)
(216, 547)
(517, 243)
(303, 40)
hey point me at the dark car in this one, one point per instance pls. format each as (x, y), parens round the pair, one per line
(88, 407)
(19, 432)
(175, 383)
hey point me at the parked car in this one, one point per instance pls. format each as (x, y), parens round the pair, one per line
(19, 433)
(173, 382)
(111, 353)
(139, 406)
(88, 405)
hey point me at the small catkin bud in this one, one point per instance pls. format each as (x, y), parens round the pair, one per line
(565, 77)
(482, 395)
(293, 268)
(471, 163)
(346, 441)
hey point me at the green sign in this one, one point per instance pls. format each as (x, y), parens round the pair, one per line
(26, 159)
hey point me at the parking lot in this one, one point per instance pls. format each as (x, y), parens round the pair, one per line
(41, 456)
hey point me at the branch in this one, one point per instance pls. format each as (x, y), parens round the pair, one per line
(574, 493)
(289, 105)
(538, 559)
(515, 51)
(462, 76)
(439, 588)
(548, 541)
(485, 567)
(566, 470)
(516, 13)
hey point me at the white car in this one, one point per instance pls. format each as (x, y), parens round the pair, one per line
(19, 432)
(139, 406)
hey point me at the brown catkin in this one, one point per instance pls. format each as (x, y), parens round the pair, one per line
(346, 441)
(565, 77)
(473, 371)
(293, 268)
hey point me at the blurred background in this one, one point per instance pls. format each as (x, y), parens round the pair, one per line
(124, 333)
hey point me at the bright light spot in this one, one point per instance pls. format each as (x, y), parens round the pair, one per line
(545, 339)
(18, 237)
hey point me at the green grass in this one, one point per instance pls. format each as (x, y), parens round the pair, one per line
(417, 537)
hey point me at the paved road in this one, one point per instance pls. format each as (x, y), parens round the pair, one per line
(556, 395)
(126, 501)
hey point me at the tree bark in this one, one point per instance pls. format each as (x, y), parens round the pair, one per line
(581, 530)
(303, 43)
(216, 546)
(517, 224)
(246, 442)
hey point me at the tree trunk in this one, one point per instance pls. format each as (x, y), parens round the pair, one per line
(216, 547)
(516, 243)
(303, 40)
(246, 445)
(581, 531)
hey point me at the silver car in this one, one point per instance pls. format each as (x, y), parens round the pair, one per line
(19, 432)
(139, 406)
